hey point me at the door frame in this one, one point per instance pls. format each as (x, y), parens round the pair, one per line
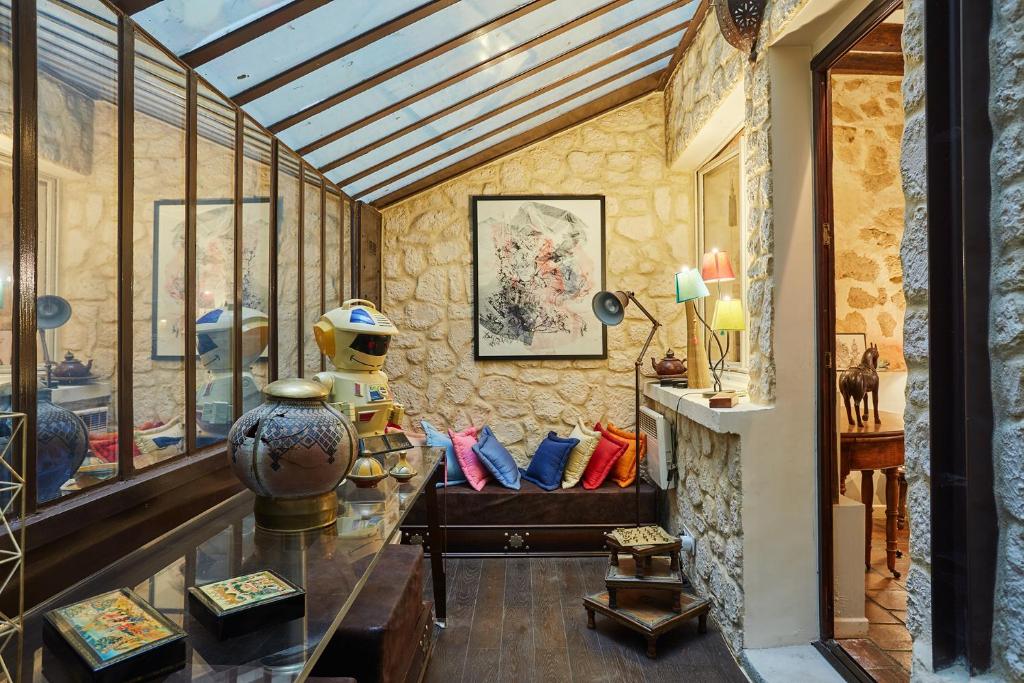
(828, 468)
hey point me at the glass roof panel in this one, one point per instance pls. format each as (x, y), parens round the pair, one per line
(522, 89)
(78, 45)
(485, 144)
(400, 46)
(184, 25)
(385, 94)
(420, 110)
(333, 24)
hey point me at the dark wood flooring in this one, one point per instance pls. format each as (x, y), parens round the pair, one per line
(522, 619)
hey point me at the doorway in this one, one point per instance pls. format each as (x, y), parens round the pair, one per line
(862, 379)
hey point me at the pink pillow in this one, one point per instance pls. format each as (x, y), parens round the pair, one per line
(463, 442)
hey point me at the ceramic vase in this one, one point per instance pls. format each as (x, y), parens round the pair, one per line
(62, 443)
(292, 452)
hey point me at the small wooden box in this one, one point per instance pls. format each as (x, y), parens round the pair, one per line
(91, 643)
(725, 399)
(243, 604)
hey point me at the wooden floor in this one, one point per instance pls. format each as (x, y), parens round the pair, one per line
(522, 619)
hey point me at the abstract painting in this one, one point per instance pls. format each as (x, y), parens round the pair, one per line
(243, 591)
(214, 264)
(112, 625)
(538, 261)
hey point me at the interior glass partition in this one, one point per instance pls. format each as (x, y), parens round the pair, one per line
(311, 272)
(256, 236)
(288, 266)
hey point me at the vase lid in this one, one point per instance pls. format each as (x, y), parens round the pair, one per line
(296, 388)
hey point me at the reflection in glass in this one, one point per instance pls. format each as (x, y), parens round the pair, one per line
(719, 207)
(76, 435)
(332, 251)
(158, 374)
(288, 266)
(255, 263)
(215, 225)
(311, 280)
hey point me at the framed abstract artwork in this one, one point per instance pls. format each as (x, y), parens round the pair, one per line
(215, 218)
(537, 262)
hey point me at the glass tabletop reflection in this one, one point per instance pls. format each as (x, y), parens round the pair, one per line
(331, 564)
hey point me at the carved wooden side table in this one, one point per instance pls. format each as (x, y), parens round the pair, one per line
(869, 448)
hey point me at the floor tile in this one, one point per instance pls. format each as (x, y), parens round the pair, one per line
(877, 614)
(890, 636)
(890, 599)
(899, 614)
(904, 658)
(890, 675)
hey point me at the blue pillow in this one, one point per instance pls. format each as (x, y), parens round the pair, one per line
(497, 459)
(548, 462)
(442, 440)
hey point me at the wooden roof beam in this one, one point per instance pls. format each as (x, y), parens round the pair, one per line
(684, 43)
(130, 7)
(882, 38)
(587, 111)
(310, 65)
(251, 31)
(870, 64)
(490, 90)
(467, 37)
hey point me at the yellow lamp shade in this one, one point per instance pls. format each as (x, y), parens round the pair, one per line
(728, 315)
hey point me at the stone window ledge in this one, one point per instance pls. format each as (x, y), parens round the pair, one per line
(691, 404)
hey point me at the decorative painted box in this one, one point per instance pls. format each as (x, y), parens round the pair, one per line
(246, 603)
(116, 636)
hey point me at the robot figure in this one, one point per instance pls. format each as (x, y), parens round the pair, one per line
(213, 344)
(355, 338)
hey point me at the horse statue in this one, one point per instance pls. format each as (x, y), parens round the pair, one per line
(859, 381)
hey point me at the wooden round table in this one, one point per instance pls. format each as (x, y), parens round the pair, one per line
(869, 448)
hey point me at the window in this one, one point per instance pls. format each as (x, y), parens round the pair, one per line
(720, 211)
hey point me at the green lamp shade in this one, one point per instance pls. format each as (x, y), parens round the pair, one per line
(728, 315)
(689, 285)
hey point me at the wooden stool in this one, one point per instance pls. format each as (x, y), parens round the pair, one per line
(659, 575)
(643, 611)
(643, 554)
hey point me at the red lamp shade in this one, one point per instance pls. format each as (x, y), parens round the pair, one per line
(716, 267)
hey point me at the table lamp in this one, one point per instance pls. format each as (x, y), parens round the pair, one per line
(728, 317)
(690, 287)
(715, 267)
(610, 309)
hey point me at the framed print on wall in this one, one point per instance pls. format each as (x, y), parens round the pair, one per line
(538, 260)
(849, 348)
(214, 255)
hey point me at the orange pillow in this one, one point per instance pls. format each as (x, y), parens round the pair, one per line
(624, 471)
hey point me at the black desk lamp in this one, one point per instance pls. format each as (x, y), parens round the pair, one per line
(610, 309)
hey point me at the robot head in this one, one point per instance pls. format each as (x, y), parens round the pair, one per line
(355, 336)
(213, 337)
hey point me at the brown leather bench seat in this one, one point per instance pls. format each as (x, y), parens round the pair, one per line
(497, 520)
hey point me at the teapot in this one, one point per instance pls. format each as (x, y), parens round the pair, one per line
(72, 367)
(669, 366)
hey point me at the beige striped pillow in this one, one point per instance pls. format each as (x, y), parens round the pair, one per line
(580, 455)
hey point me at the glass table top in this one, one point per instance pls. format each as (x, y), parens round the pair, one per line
(331, 564)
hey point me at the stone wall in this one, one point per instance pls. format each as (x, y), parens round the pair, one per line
(708, 502)
(867, 123)
(914, 255)
(1006, 105)
(428, 280)
(709, 69)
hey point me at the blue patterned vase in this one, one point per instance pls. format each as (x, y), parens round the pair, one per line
(292, 452)
(62, 442)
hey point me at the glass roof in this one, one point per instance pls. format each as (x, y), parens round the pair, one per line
(381, 94)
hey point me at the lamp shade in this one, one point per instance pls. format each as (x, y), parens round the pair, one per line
(716, 267)
(728, 315)
(689, 285)
(610, 307)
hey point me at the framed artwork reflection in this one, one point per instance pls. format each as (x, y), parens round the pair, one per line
(538, 260)
(849, 348)
(214, 259)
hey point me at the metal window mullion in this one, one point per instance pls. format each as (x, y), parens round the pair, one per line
(323, 257)
(299, 254)
(26, 229)
(191, 191)
(273, 366)
(236, 320)
(125, 250)
(341, 248)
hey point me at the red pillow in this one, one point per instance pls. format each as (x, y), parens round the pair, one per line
(609, 450)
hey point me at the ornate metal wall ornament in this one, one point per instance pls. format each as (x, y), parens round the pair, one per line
(740, 21)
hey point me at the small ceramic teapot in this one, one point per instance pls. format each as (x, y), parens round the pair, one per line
(72, 367)
(669, 366)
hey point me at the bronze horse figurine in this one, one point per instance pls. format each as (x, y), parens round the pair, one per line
(857, 382)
